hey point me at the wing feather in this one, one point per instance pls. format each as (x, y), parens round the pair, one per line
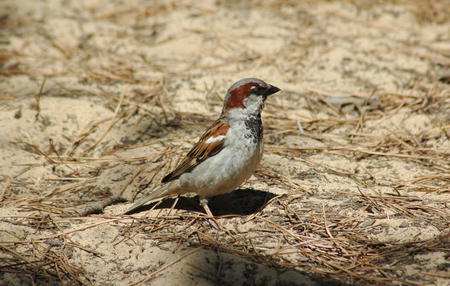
(201, 150)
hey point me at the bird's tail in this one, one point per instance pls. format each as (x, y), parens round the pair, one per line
(156, 194)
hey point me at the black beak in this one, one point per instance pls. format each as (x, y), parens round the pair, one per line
(270, 90)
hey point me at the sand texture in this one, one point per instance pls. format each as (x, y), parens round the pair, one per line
(99, 99)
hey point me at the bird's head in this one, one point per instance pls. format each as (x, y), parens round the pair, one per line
(248, 95)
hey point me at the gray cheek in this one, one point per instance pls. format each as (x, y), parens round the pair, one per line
(254, 104)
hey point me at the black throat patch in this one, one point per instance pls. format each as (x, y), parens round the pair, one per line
(254, 125)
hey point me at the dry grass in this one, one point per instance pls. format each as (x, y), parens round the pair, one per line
(329, 231)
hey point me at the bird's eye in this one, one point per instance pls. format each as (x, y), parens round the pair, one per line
(257, 89)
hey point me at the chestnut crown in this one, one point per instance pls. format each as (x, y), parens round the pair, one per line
(248, 93)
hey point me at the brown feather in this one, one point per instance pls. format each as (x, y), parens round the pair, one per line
(238, 95)
(201, 151)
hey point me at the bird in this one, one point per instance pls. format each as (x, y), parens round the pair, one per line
(227, 153)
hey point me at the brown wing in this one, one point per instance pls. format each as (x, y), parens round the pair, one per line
(201, 150)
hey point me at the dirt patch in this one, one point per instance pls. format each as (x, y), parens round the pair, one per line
(101, 97)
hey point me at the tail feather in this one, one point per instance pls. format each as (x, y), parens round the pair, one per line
(156, 194)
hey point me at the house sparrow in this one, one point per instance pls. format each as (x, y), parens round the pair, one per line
(228, 152)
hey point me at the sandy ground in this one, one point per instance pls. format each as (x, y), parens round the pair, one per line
(98, 98)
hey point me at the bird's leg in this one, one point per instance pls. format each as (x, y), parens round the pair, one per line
(174, 204)
(204, 204)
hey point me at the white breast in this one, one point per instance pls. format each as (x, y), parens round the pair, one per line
(228, 169)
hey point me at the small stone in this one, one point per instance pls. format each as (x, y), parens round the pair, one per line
(18, 114)
(404, 224)
(367, 222)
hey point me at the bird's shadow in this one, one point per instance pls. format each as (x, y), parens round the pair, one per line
(238, 202)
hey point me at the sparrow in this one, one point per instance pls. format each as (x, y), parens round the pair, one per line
(228, 152)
